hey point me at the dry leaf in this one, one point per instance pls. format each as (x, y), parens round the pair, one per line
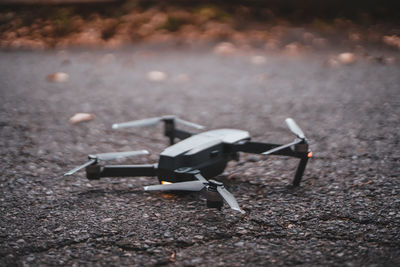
(156, 76)
(258, 60)
(293, 49)
(59, 77)
(81, 117)
(224, 49)
(333, 63)
(347, 58)
(393, 40)
(172, 257)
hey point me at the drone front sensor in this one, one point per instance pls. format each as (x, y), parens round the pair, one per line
(190, 164)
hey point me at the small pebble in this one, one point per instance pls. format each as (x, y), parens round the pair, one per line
(239, 244)
(106, 220)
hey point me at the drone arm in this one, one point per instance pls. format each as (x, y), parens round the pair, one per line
(181, 134)
(300, 170)
(96, 172)
(259, 148)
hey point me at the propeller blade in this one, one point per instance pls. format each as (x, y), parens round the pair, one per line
(117, 155)
(190, 124)
(90, 162)
(295, 128)
(281, 147)
(229, 198)
(154, 121)
(200, 178)
(137, 123)
(184, 186)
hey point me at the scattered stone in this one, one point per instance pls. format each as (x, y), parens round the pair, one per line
(333, 63)
(320, 42)
(272, 44)
(290, 226)
(182, 78)
(81, 117)
(239, 244)
(293, 49)
(355, 37)
(225, 49)
(106, 220)
(167, 234)
(390, 60)
(156, 76)
(59, 77)
(58, 229)
(347, 58)
(308, 37)
(66, 62)
(392, 40)
(197, 261)
(258, 60)
(107, 59)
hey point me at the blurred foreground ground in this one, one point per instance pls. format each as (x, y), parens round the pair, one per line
(345, 213)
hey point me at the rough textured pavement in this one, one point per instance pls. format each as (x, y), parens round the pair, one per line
(346, 212)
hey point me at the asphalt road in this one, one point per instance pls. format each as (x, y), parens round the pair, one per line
(346, 212)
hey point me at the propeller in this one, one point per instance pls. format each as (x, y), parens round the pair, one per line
(294, 128)
(154, 121)
(106, 156)
(118, 155)
(211, 185)
(183, 186)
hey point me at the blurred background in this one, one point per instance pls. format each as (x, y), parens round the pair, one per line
(272, 24)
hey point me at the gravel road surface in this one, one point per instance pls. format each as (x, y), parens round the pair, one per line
(346, 212)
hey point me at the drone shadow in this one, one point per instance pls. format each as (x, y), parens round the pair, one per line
(170, 195)
(98, 192)
(266, 188)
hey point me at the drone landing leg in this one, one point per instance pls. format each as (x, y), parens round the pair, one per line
(171, 132)
(300, 171)
(96, 172)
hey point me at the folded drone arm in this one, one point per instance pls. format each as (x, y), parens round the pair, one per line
(260, 148)
(95, 171)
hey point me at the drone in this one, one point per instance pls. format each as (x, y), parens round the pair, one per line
(191, 163)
